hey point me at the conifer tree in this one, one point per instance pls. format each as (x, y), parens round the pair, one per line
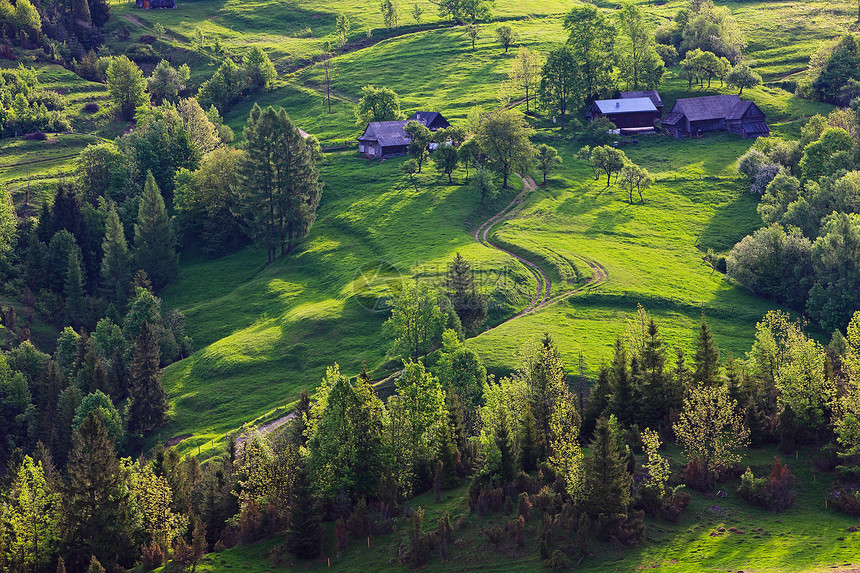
(95, 566)
(154, 239)
(34, 516)
(470, 305)
(74, 289)
(623, 401)
(280, 191)
(149, 400)
(448, 455)
(654, 391)
(787, 430)
(529, 446)
(707, 356)
(505, 443)
(116, 263)
(607, 479)
(547, 384)
(304, 531)
(97, 519)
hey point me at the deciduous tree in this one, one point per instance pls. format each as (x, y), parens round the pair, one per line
(592, 45)
(126, 85)
(378, 104)
(561, 84)
(547, 159)
(525, 72)
(503, 137)
(506, 36)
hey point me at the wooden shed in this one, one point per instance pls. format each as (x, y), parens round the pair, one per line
(389, 138)
(631, 113)
(694, 116)
(650, 94)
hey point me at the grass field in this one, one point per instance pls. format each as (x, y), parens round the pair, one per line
(808, 537)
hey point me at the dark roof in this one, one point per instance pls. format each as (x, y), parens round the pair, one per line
(673, 118)
(706, 107)
(756, 128)
(739, 110)
(632, 105)
(429, 117)
(650, 94)
(387, 133)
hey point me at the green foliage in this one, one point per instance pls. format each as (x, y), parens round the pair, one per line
(378, 104)
(742, 76)
(561, 86)
(607, 481)
(154, 238)
(547, 159)
(126, 85)
(825, 155)
(33, 516)
(101, 404)
(641, 65)
(258, 68)
(592, 40)
(506, 36)
(149, 400)
(416, 323)
(8, 223)
(166, 82)
(503, 136)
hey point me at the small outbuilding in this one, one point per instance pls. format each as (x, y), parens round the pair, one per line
(650, 94)
(694, 116)
(631, 113)
(389, 138)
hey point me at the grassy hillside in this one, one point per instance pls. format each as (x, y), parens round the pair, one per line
(264, 333)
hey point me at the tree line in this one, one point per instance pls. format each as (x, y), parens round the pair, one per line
(805, 255)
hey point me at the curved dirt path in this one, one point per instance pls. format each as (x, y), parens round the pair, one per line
(540, 300)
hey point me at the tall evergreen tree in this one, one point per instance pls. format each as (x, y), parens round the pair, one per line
(154, 239)
(608, 482)
(304, 531)
(281, 190)
(149, 400)
(623, 401)
(508, 455)
(116, 264)
(547, 384)
(74, 289)
(97, 518)
(654, 392)
(470, 305)
(34, 517)
(707, 356)
(65, 213)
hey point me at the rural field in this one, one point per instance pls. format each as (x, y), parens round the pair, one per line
(265, 364)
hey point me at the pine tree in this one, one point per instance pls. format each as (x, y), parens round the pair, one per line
(65, 213)
(623, 401)
(96, 498)
(281, 190)
(607, 479)
(304, 532)
(34, 516)
(95, 566)
(707, 356)
(448, 456)
(154, 239)
(547, 384)
(470, 306)
(149, 400)
(653, 391)
(74, 289)
(505, 444)
(529, 446)
(599, 403)
(116, 263)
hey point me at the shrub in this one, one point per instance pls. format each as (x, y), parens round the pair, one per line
(846, 501)
(148, 39)
(524, 507)
(696, 477)
(152, 557)
(91, 107)
(674, 506)
(37, 135)
(776, 493)
(141, 53)
(494, 533)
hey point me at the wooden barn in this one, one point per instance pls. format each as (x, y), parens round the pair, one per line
(147, 4)
(632, 113)
(694, 116)
(650, 94)
(389, 138)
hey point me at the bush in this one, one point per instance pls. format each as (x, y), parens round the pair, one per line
(141, 53)
(37, 135)
(494, 533)
(152, 557)
(91, 107)
(674, 505)
(846, 501)
(696, 477)
(776, 493)
(148, 39)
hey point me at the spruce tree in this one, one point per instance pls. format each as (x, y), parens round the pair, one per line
(787, 430)
(654, 387)
(281, 188)
(95, 566)
(529, 446)
(154, 239)
(508, 456)
(74, 289)
(65, 213)
(149, 400)
(707, 356)
(470, 306)
(96, 504)
(448, 455)
(547, 385)
(304, 531)
(608, 482)
(623, 401)
(116, 263)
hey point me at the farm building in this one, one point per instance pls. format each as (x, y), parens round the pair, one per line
(632, 113)
(389, 138)
(650, 94)
(698, 115)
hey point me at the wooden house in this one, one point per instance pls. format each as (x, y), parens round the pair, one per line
(389, 138)
(632, 113)
(650, 94)
(147, 4)
(694, 116)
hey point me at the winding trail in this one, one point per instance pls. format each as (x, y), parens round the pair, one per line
(540, 300)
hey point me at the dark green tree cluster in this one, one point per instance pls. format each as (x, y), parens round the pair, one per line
(26, 108)
(230, 81)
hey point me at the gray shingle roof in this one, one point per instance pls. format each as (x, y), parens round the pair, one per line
(387, 133)
(631, 105)
(707, 107)
(650, 94)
